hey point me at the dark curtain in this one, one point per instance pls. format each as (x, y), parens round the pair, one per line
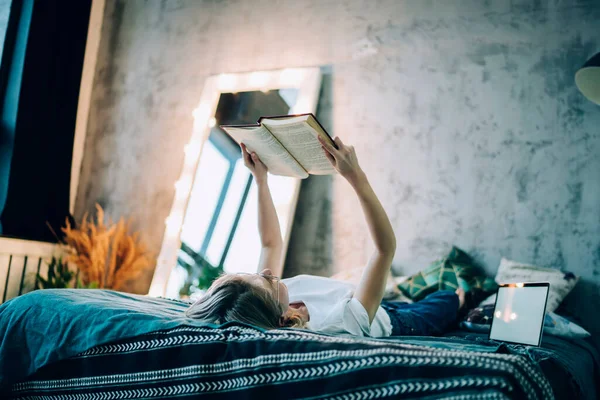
(44, 122)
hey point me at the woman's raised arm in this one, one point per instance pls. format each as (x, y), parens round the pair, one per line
(371, 288)
(268, 223)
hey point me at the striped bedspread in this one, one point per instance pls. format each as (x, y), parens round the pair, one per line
(236, 361)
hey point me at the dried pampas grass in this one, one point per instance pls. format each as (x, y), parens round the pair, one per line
(106, 254)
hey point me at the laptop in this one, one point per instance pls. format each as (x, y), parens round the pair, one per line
(519, 313)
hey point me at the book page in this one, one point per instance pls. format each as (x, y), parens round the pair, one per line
(300, 139)
(269, 150)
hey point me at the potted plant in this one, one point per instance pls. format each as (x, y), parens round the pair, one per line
(106, 254)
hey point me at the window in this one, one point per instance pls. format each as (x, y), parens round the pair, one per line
(218, 198)
(219, 231)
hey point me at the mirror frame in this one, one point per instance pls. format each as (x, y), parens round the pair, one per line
(308, 83)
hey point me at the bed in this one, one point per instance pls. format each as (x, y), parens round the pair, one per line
(97, 344)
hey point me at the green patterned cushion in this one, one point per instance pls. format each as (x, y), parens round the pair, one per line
(454, 271)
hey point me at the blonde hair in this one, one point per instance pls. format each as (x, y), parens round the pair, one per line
(232, 298)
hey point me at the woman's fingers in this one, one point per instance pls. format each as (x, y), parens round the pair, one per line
(338, 142)
(244, 150)
(329, 156)
(247, 158)
(327, 146)
(258, 162)
(254, 163)
(255, 159)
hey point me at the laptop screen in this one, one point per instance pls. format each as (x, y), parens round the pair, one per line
(519, 313)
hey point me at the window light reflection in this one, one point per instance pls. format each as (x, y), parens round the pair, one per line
(258, 79)
(204, 196)
(227, 82)
(290, 77)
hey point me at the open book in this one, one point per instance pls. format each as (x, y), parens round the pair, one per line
(287, 144)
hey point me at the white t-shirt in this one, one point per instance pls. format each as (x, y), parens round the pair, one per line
(333, 309)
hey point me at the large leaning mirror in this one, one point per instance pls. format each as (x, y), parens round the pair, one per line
(212, 227)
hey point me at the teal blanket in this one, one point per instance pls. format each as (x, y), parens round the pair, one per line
(47, 326)
(53, 324)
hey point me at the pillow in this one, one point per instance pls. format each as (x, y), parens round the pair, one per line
(557, 325)
(455, 270)
(561, 283)
(480, 319)
(393, 293)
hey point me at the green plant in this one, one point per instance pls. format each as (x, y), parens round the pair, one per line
(60, 276)
(198, 276)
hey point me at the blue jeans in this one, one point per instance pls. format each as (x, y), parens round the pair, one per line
(431, 316)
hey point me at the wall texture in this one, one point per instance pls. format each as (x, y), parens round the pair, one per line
(464, 115)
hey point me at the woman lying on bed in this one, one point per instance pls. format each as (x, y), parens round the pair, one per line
(317, 303)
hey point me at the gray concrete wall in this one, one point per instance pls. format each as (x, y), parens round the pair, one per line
(464, 115)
